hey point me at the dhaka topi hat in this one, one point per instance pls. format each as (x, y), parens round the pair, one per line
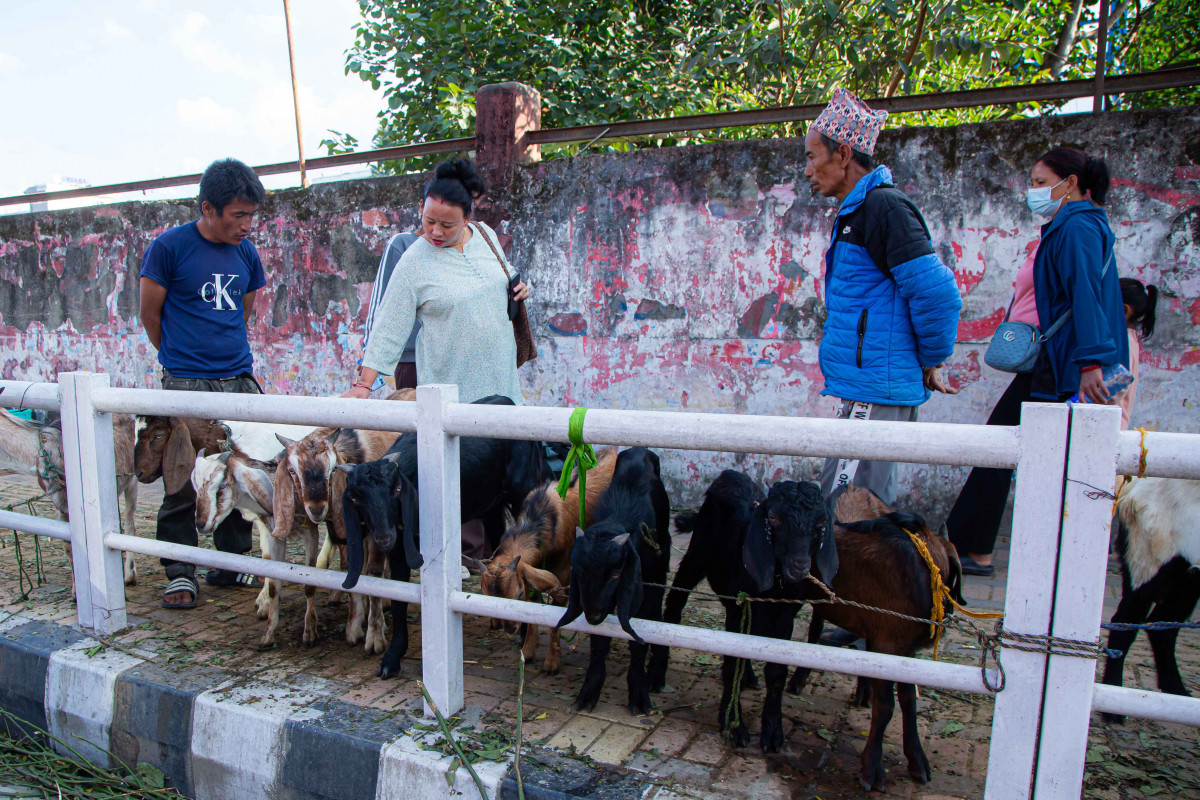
(848, 120)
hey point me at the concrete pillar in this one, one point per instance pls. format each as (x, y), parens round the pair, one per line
(504, 112)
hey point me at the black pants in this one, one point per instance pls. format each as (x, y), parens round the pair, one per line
(974, 521)
(177, 515)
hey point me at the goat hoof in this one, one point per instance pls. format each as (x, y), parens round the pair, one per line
(871, 779)
(798, 680)
(918, 769)
(308, 639)
(771, 738)
(547, 669)
(587, 699)
(639, 703)
(266, 644)
(388, 668)
(1113, 719)
(739, 736)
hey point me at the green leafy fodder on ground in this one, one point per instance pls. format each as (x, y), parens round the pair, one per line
(31, 762)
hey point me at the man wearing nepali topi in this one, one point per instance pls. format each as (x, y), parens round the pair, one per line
(892, 305)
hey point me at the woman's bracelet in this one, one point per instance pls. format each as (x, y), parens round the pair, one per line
(366, 386)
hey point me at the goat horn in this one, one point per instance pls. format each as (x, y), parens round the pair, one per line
(201, 453)
(512, 565)
(475, 563)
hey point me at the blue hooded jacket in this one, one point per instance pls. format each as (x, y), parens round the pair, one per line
(892, 305)
(1075, 246)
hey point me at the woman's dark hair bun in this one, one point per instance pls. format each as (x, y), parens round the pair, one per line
(456, 182)
(1092, 173)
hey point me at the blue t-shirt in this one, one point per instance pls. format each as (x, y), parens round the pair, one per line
(203, 331)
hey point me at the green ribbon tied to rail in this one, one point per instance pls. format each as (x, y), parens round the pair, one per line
(582, 457)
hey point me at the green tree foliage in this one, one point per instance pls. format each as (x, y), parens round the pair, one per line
(597, 61)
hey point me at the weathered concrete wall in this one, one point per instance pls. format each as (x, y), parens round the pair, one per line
(685, 278)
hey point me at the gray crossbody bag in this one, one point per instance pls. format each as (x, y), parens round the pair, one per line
(1015, 346)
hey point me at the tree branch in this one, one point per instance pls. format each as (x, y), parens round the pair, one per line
(1066, 37)
(898, 73)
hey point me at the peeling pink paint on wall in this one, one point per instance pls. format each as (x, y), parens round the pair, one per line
(687, 278)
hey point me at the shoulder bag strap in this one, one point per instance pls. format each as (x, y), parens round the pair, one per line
(491, 246)
(1058, 323)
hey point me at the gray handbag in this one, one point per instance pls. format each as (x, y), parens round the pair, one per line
(1015, 346)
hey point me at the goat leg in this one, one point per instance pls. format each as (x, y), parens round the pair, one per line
(130, 492)
(277, 551)
(656, 675)
(389, 665)
(262, 603)
(639, 688)
(593, 681)
(1134, 607)
(530, 645)
(728, 711)
(311, 630)
(1176, 606)
(376, 639)
(771, 738)
(883, 704)
(918, 763)
(800, 676)
(553, 662)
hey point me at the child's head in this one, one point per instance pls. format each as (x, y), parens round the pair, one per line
(1140, 302)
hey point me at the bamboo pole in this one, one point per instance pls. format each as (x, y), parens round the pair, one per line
(287, 18)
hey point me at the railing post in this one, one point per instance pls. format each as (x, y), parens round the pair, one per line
(441, 547)
(1037, 515)
(91, 476)
(1078, 598)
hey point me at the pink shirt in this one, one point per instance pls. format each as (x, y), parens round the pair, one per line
(1127, 398)
(1024, 306)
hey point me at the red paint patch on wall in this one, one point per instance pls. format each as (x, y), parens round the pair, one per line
(1188, 173)
(375, 218)
(973, 330)
(1161, 193)
(1194, 310)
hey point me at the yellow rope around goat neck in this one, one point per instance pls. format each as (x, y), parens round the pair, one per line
(581, 456)
(941, 593)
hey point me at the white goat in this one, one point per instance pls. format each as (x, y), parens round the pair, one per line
(37, 450)
(1160, 515)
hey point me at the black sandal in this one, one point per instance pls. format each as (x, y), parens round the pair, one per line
(181, 584)
(224, 577)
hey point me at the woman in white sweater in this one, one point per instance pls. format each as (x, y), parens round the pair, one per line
(452, 280)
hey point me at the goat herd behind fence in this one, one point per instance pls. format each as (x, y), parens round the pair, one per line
(1067, 460)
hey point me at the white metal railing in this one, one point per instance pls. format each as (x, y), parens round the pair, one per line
(1063, 455)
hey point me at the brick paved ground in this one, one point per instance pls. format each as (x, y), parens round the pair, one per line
(678, 744)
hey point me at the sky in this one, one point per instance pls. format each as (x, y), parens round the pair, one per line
(126, 90)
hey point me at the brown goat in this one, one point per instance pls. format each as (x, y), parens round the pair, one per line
(534, 556)
(880, 566)
(166, 448)
(37, 450)
(306, 475)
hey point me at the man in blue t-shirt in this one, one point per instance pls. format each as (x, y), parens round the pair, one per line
(198, 283)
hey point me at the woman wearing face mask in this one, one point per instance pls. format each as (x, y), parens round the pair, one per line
(1066, 273)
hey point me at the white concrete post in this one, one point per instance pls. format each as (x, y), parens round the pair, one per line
(1037, 514)
(1078, 598)
(441, 547)
(91, 475)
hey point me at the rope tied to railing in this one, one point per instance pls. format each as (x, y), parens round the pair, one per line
(582, 457)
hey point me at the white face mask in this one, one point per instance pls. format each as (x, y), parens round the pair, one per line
(1039, 200)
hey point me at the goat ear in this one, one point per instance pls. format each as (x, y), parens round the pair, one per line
(541, 579)
(283, 440)
(956, 573)
(354, 542)
(629, 591)
(574, 607)
(257, 484)
(758, 557)
(283, 503)
(826, 559)
(409, 521)
(179, 457)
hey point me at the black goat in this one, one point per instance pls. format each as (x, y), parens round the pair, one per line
(1156, 525)
(765, 546)
(380, 504)
(880, 567)
(628, 543)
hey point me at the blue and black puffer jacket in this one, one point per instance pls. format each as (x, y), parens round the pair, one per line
(892, 304)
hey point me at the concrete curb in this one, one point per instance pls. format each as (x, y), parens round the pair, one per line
(217, 736)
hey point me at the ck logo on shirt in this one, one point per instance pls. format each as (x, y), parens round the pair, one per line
(217, 290)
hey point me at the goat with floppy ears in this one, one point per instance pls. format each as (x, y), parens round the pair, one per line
(380, 506)
(762, 546)
(628, 543)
